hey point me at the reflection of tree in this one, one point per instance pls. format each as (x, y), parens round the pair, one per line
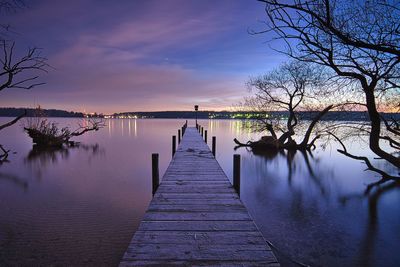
(290, 155)
(267, 154)
(41, 157)
(302, 208)
(15, 180)
(44, 156)
(372, 228)
(290, 177)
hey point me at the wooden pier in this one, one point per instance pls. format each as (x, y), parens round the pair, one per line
(196, 218)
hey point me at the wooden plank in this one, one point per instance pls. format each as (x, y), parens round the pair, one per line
(243, 226)
(212, 188)
(198, 237)
(202, 201)
(199, 252)
(195, 196)
(186, 177)
(197, 208)
(195, 263)
(196, 184)
(196, 218)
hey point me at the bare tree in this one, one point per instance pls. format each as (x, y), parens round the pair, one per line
(360, 42)
(17, 72)
(20, 73)
(292, 88)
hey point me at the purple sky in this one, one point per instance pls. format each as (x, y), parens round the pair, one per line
(114, 56)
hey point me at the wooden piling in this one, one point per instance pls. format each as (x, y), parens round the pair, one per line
(205, 136)
(179, 136)
(173, 144)
(236, 173)
(214, 141)
(155, 172)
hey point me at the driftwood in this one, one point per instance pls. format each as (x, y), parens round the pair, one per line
(47, 134)
(272, 143)
(266, 142)
(47, 140)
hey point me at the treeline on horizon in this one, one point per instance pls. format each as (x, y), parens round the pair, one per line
(31, 112)
(306, 115)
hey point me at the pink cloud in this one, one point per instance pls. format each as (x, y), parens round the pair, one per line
(118, 65)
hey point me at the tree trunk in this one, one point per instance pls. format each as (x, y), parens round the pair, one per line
(374, 136)
(313, 123)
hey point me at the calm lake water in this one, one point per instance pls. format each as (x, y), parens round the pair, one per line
(81, 206)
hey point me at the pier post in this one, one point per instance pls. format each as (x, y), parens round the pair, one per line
(179, 136)
(236, 173)
(214, 140)
(155, 172)
(205, 136)
(202, 131)
(173, 144)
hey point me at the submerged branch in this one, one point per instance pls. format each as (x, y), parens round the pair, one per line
(385, 176)
(8, 124)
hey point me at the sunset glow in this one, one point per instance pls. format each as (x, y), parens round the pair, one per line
(141, 55)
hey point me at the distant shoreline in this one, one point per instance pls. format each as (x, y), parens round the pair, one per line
(331, 116)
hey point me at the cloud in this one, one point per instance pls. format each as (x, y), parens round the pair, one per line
(139, 55)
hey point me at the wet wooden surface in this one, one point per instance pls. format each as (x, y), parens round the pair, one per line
(196, 218)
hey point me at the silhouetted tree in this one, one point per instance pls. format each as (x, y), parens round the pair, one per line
(292, 87)
(359, 41)
(17, 72)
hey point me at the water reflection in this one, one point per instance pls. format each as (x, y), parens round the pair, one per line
(295, 209)
(127, 127)
(45, 155)
(15, 180)
(371, 233)
(40, 157)
(312, 206)
(291, 157)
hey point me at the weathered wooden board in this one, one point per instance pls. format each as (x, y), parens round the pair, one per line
(196, 218)
(195, 196)
(199, 252)
(196, 207)
(184, 201)
(241, 226)
(194, 263)
(198, 237)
